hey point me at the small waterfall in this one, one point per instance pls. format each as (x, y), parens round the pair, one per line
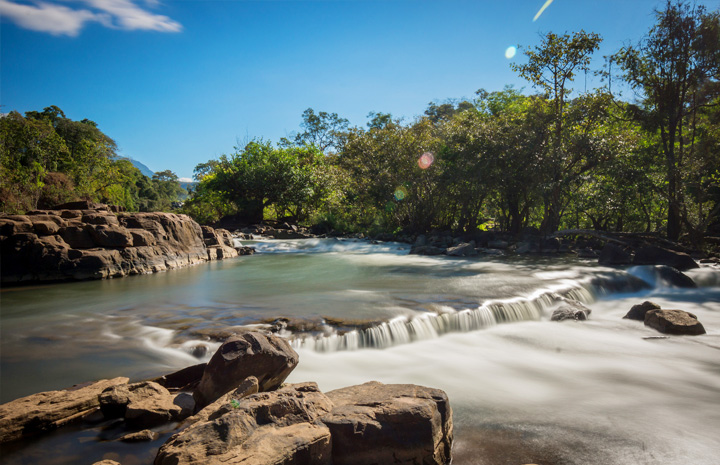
(402, 330)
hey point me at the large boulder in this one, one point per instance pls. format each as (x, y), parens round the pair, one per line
(376, 423)
(613, 254)
(674, 277)
(653, 255)
(47, 411)
(677, 322)
(143, 404)
(269, 358)
(637, 312)
(279, 427)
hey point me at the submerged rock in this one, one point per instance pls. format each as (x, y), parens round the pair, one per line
(269, 358)
(677, 322)
(47, 411)
(377, 423)
(572, 310)
(674, 277)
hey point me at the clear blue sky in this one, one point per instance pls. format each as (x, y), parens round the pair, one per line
(177, 83)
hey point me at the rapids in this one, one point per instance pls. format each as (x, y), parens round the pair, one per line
(523, 389)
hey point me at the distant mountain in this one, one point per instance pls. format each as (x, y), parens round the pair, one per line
(143, 169)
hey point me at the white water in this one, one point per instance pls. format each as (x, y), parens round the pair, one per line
(523, 389)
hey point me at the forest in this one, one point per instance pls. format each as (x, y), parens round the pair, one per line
(550, 159)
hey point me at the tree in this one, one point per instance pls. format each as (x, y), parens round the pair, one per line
(322, 130)
(551, 67)
(675, 68)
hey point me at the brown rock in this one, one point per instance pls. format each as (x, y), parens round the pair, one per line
(378, 423)
(269, 358)
(674, 322)
(77, 237)
(141, 404)
(107, 462)
(247, 387)
(110, 236)
(50, 410)
(637, 312)
(141, 436)
(182, 379)
(140, 237)
(279, 427)
(45, 228)
(613, 254)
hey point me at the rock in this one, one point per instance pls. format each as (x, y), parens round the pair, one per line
(673, 277)
(106, 462)
(141, 436)
(420, 241)
(378, 423)
(653, 255)
(587, 252)
(245, 250)
(110, 236)
(279, 427)
(637, 312)
(498, 244)
(571, 310)
(247, 387)
(77, 237)
(526, 247)
(613, 254)
(462, 250)
(674, 322)
(142, 404)
(93, 243)
(427, 250)
(182, 379)
(269, 358)
(46, 411)
(141, 238)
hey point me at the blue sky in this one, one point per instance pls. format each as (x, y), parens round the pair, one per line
(179, 82)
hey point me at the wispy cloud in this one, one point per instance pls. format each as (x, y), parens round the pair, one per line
(68, 17)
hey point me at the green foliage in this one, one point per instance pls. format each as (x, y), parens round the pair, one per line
(47, 159)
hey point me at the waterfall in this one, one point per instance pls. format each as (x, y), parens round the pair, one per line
(403, 330)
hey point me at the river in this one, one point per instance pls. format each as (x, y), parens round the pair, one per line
(523, 389)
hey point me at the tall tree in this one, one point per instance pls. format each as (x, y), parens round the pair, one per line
(673, 67)
(551, 68)
(322, 129)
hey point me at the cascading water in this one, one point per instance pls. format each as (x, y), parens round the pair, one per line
(605, 391)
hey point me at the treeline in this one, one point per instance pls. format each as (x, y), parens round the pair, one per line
(47, 159)
(553, 160)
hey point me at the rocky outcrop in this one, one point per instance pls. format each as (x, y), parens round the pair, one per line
(279, 427)
(89, 241)
(677, 322)
(389, 423)
(50, 410)
(637, 312)
(268, 358)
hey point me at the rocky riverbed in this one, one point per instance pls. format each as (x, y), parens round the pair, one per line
(235, 409)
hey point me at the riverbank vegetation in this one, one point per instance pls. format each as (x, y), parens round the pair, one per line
(548, 159)
(48, 159)
(554, 159)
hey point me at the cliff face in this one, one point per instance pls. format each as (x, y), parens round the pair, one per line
(82, 240)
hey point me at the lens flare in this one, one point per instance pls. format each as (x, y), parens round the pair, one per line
(542, 8)
(400, 193)
(425, 160)
(510, 52)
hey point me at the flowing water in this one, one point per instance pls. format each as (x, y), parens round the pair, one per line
(523, 389)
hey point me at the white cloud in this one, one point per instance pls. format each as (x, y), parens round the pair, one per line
(185, 180)
(59, 19)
